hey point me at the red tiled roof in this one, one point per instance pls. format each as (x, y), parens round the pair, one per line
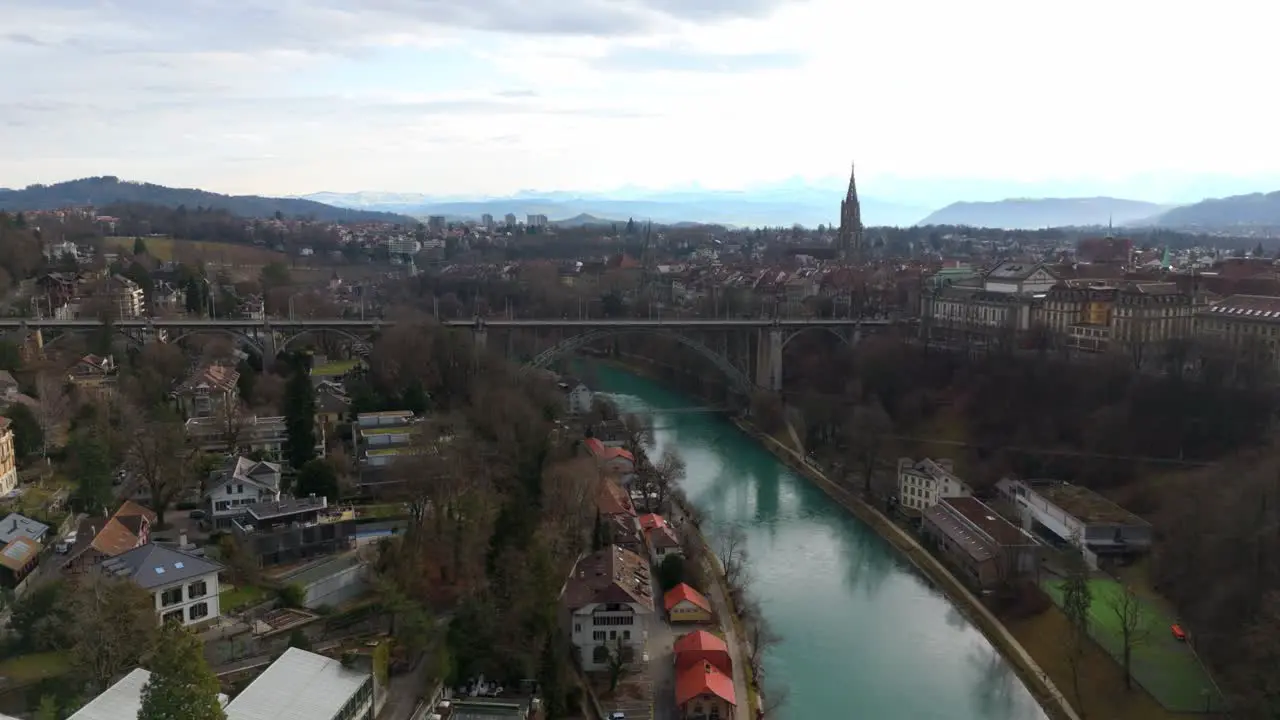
(663, 537)
(704, 679)
(683, 592)
(698, 640)
(651, 521)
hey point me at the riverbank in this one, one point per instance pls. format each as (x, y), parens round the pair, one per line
(1053, 702)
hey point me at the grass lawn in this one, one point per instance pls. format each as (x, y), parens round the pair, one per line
(26, 669)
(385, 510)
(335, 368)
(1164, 666)
(236, 598)
(166, 249)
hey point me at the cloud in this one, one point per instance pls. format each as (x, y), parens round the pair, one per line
(645, 59)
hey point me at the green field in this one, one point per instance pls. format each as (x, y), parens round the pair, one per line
(168, 249)
(238, 598)
(1165, 667)
(26, 669)
(335, 368)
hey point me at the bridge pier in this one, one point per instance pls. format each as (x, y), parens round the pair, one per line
(769, 358)
(268, 340)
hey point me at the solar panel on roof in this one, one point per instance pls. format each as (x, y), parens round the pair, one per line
(159, 571)
(17, 551)
(177, 565)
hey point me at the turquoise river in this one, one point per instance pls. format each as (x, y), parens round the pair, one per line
(866, 637)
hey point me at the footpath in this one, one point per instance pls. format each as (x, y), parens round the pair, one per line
(1052, 700)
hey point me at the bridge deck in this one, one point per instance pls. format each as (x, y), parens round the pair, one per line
(343, 323)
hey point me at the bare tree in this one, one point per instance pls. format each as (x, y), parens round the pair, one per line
(160, 459)
(53, 406)
(867, 430)
(761, 636)
(232, 420)
(667, 475)
(114, 624)
(1132, 619)
(774, 699)
(569, 491)
(639, 437)
(731, 550)
(1077, 600)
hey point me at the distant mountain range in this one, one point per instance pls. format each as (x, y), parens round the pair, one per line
(103, 191)
(777, 205)
(1036, 213)
(1237, 211)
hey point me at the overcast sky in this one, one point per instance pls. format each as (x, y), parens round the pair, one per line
(493, 96)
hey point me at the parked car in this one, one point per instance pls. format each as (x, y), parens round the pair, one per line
(1178, 633)
(196, 514)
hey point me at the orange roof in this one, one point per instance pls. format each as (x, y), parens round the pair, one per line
(594, 445)
(704, 679)
(684, 592)
(604, 453)
(651, 521)
(613, 500)
(698, 640)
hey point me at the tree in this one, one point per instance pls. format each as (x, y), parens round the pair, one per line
(761, 636)
(298, 639)
(157, 452)
(300, 418)
(1135, 630)
(1077, 599)
(867, 429)
(667, 475)
(114, 625)
(616, 663)
(28, 436)
(92, 462)
(48, 709)
(671, 571)
(181, 686)
(139, 246)
(318, 477)
(731, 549)
(53, 407)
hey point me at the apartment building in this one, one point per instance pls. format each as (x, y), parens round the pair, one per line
(922, 484)
(208, 391)
(8, 460)
(184, 585)
(536, 221)
(293, 529)
(1243, 324)
(126, 297)
(609, 601)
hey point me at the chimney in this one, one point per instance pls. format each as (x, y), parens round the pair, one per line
(182, 540)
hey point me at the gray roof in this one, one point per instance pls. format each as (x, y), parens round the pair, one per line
(15, 525)
(261, 473)
(300, 685)
(122, 700)
(152, 566)
(286, 506)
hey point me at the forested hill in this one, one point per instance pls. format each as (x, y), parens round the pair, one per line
(102, 191)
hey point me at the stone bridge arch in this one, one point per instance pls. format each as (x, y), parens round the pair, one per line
(244, 337)
(737, 379)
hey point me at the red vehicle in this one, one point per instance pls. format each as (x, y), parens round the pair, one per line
(1178, 633)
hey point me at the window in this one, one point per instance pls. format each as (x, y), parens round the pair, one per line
(577, 627)
(613, 634)
(172, 616)
(626, 634)
(222, 506)
(598, 636)
(199, 610)
(197, 589)
(172, 596)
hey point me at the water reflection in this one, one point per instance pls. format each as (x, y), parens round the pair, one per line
(994, 694)
(868, 564)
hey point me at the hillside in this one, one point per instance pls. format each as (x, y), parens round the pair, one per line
(1036, 213)
(585, 220)
(102, 191)
(810, 207)
(1253, 210)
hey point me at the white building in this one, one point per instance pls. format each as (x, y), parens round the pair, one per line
(185, 586)
(922, 484)
(403, 246)
(239, 483)
(55, 251)
(577, 396)
(127, 298)
(1019, 277)
(1077, 514)
(509, 219)
(609, 600)
(302, 685)
(536, 221)
(122, 700)
(266, 435)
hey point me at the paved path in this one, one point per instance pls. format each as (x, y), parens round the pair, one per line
(736, 652)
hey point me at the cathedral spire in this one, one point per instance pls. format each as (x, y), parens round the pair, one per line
(849, 244)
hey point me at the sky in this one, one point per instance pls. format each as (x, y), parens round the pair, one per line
(458, 97)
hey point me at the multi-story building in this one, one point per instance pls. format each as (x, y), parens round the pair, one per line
(509, 219)
(1242, 324)
(436, 223)
(239, 483)
(208, 392)
(94, 375)
(381, 437)
(956, 312)
(922, 484)
(609, 603)
(185, 586)
(486, 221)
(126, 297)
(97, 539)
(403, 246)
(1015, 276)
(1128, 316)
(293, 529)
(536, 221)
(987, 549)
(1078, 515)
(253, 434)
(8, 461)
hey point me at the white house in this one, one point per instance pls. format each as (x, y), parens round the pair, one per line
(922, 484)
(185, 586)
(663, 541)
(609, 601)
(238, 484)
(577, 396)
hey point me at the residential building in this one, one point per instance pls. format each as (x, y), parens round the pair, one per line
(240, 482)
(265, 435)
(168, 297)
(405, 245)
(486, 221)
(18, 558)
(437, 223)
(209, 391)
(921, 484)
(618, 517)
(293, 529)
(686, 605)
(609, 602)
(1243, 324)
(577, 396)
(614, 461)
(700, 647)
(98, 539)
(536, 221)
(381, 437)
(302, 685)
(956, 313)
(126, 297)
(509, 219)
(94, 375)
(663, 542)
(8, 460)
(14, 526)
(332, 405)
(1078, 515)
(488, 709)
(185, 586)
(703, 692)
(986, 549)
(1128, 317)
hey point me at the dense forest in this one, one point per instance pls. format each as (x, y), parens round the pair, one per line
(108, 190)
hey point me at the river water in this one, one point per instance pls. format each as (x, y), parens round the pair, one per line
(865, 635)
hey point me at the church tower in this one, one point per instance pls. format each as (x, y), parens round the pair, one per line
(849, 244)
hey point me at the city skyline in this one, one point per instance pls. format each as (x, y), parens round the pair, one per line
(482, 99)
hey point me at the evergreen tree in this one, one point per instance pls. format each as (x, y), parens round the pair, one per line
(317, 478)
(181, 686)
(28, 436)
(300, 417)
(93, 469)
(139, 247)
